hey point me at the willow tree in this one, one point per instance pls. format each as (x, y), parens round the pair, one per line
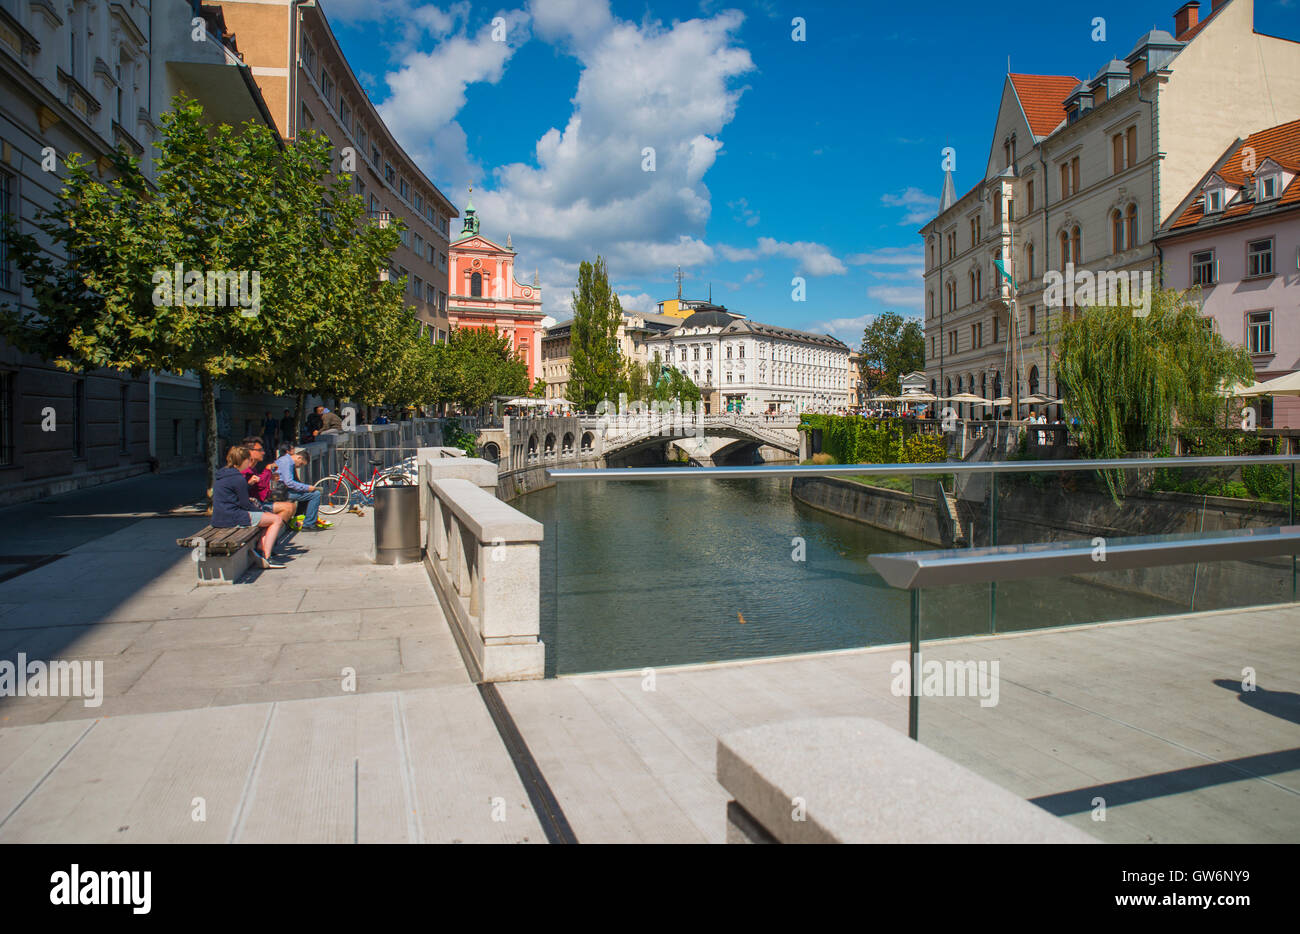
(1129, 380)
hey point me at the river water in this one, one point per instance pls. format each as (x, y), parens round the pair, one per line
(649, 573)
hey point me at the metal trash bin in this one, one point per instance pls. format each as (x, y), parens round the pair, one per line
(397, 524)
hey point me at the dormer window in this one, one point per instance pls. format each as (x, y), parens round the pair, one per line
(1213, 200)
(1267, 188)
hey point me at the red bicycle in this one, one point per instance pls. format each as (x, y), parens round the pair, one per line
(337, 490)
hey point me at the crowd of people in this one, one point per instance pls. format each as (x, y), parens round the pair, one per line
(249, 492)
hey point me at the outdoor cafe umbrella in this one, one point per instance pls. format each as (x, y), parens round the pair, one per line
(968, 397)
(1288, 385)
(916, 397)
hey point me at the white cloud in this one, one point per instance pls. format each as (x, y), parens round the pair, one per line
(848, 330)
(815, 259)
(920, 206)
(637, 302)
(897, 296)
(754, 275)
(742, 212)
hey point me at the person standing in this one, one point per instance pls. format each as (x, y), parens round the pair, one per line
(286, 430)
(270, 428)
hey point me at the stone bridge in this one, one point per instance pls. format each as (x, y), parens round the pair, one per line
(623, 434)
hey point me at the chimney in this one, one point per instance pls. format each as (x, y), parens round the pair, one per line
(1188, 15)
(1214, 7)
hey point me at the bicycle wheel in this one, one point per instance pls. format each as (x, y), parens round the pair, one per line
(394, 478)
(335, 494)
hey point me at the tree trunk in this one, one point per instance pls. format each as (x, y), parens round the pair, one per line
(298, 417)
(209, 401)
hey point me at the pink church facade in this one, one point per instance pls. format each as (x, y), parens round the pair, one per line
(485, 293)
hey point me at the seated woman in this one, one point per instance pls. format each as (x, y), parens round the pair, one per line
(258, 475)
(231, 507)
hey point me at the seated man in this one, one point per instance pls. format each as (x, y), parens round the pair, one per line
(300, 492)
(330, 422)
(258, 474)
(231, 507)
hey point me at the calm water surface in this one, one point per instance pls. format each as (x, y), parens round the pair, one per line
(652, 573)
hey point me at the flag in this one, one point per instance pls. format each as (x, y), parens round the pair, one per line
(1005, 275)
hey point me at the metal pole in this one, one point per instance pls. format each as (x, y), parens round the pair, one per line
(993, 540)
(913, 664)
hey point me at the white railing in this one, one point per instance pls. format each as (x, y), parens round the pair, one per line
(483, 558)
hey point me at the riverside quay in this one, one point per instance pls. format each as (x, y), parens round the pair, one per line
(629, 470)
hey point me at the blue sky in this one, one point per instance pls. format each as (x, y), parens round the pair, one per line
(773, 158)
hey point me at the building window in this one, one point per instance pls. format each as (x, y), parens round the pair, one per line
(308, 55)
(996, 326)
(476, 285)
(1033, 319)
(8, 403)
(1203, 268)
(1076, 244)
(326, 87)
(345, 115)
(1259, 332)
(1214, 201)
(123, 415)
(1029, 195)
(683, 354)
(79, 418)
(305, 119)
(404, 190)
(390, 175)
(6, 209)
(1029, 260)
(1259, 258)
(997, 209)
(1268, 187)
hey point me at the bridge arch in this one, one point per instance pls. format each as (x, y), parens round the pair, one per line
(566, 446)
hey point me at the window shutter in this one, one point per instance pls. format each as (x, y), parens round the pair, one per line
(1132, 145)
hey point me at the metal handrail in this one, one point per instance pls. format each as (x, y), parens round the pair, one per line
(954, 467)
(913, 570)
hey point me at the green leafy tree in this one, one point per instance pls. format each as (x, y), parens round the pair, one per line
(539, 389)
(216, 205)
(595, 364)
(1129, 380)
(891, 347)
(479, 363)
(667, 383)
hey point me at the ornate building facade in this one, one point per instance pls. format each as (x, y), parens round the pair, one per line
(485, 293)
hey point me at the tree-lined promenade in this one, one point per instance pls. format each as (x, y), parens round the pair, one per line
(247, 263)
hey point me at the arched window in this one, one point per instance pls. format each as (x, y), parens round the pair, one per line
(476, 285)
(929, 303)
(949, 392)
(979, 283)
(1117, 231)
(1029, 260)
(973, 294)
(1076, 245)
(1033, 380)
(932, 251)
(984, 385)
(1065, 249)
(997, 384)
(933, 389)
(1131, 226)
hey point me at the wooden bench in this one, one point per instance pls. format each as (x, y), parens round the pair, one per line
(226, 553)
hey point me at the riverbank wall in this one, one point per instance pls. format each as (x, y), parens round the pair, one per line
(511, 484)
(1030, 512)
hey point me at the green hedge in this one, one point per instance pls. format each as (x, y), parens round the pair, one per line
(851, 439)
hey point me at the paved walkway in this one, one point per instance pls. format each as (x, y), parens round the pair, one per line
(1148, 716)
(226, 716)
(235, 695)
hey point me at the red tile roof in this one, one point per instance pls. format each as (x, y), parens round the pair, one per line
(1279, 143)
(1043, 99)
(1188, 34)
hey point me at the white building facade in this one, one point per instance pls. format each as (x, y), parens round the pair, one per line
(752, 368)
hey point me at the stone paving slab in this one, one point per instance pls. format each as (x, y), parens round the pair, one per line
(1129, 712)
